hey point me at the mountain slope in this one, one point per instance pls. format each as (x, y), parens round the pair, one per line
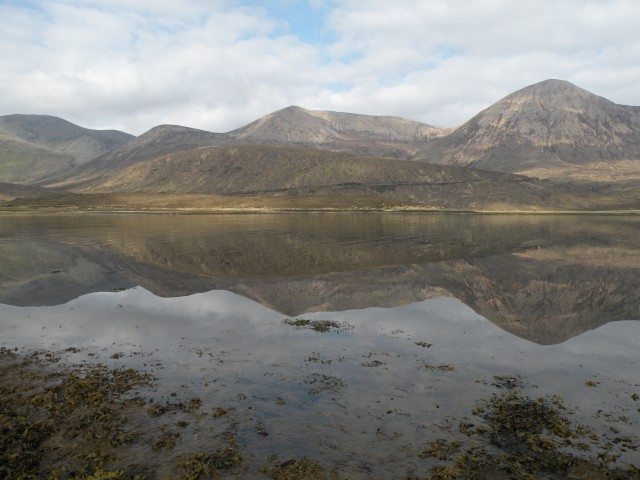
(550, 128)
(340, 132)
(10, 191)
(160, 140)
(23, 162)
(337, 131)
(296, 177)
(61, 136)
(34, 147)
(268, 169)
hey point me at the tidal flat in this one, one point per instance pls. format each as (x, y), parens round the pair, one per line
(319, 346)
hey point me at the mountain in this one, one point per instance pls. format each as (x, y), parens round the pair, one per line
(550, 129)
(10, 191)
(160, 140)
(268, 169)
(342, 132)
(272, 176)
(334, 131)
(23, 162)
(34, 147)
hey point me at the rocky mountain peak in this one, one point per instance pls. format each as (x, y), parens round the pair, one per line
(338, 131)
(551, 125)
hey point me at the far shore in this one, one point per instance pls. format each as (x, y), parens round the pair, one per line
(114, 210)
(193, 203)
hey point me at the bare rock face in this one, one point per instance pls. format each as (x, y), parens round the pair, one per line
(337, 131)
(550, 126)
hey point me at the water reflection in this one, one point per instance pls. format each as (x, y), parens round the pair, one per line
(543, 278)
(199, 301)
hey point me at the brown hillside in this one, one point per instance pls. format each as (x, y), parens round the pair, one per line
(552, 128)
(271, 169)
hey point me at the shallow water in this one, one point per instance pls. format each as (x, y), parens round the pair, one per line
(432, 308)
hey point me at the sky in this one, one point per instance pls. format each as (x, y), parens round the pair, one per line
(220, 64)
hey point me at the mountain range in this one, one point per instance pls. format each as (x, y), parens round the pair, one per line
(585, 146)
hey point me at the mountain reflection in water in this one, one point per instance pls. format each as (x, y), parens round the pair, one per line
(543, 278)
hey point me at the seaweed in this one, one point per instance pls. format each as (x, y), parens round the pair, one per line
(527, 438)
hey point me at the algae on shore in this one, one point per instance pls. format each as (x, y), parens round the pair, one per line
(520, 437)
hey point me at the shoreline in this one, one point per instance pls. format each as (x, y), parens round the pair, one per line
(69, 210)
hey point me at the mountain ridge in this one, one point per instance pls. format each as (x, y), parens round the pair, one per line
(550, 126)
(552, 129)
(340, 131)
(62, 136)
(158, 141)
(36, 147)
(243, 169)
(334, 131)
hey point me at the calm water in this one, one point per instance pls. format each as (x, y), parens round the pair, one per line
(553, 301)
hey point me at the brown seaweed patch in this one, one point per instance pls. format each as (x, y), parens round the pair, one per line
(506, 381)
(62, 421)
(322, 326)
(90, 422)
(373, 363)
(438, 368)
(323, 383)
(441, 449)
(528, 438)
(204, 465)
(300, 470)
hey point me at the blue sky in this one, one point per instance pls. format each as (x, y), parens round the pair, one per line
(304, 19)
(219, 64)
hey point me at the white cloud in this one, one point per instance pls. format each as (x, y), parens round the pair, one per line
(216, 65)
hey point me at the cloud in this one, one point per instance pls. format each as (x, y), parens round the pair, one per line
(217, 65)
(471, 53)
